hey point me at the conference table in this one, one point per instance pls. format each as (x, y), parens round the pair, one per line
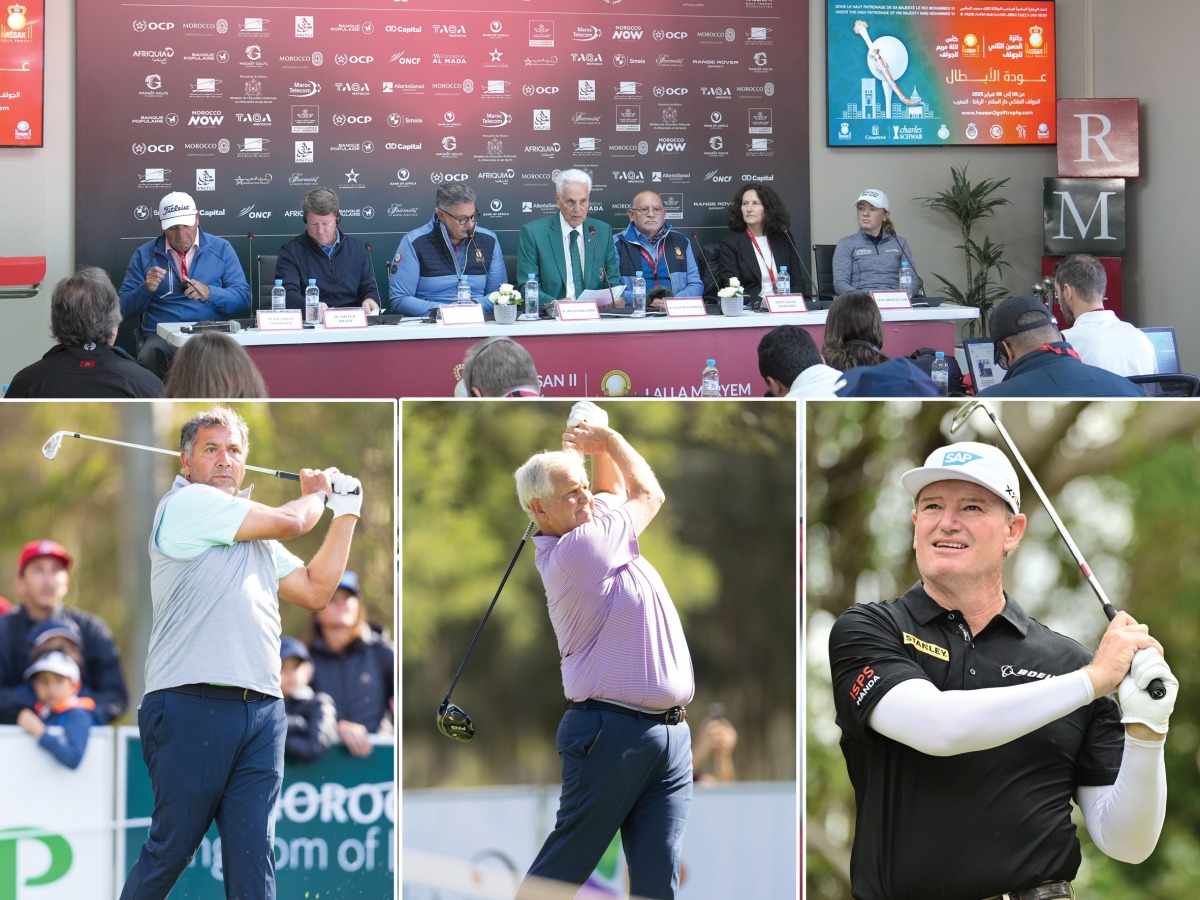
(657, 356)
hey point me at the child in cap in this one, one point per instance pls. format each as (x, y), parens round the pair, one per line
(311, 716)
(61, 719)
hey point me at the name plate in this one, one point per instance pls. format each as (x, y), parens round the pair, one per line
(577, 310)
(345, 317)
(460, 314)
(891, 299)
(283, 320)
(685, 306)
(785, 303)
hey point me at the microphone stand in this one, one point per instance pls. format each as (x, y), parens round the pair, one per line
(707, 268)
(612, 301)
(812, 285)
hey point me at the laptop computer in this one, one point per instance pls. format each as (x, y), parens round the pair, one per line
(981, 362)
(1166, 350)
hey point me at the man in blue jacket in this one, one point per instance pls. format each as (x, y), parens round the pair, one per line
(431, 259)
(663, 257)
(1040, 362)
(186, 275)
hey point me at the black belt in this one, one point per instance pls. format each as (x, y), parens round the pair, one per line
(672, 716)
(218, 692)
(1051, 890)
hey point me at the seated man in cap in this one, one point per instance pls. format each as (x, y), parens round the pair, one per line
(186, 275)
(1039, 362)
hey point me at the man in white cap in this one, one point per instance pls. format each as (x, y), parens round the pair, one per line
(186, 275)
(968, 727)
(870, 259)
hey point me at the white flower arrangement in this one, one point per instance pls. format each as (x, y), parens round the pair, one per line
(735, 289)
(505, 295)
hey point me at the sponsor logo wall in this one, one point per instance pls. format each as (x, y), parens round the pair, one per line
(248, 107)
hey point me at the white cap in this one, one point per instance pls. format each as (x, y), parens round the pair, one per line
(177, 208)
(57, 662)
(981, 464)
(876, 198)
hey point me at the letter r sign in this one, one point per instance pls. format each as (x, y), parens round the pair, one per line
(1098, 138)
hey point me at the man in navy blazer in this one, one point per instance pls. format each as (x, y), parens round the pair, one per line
(545, 246)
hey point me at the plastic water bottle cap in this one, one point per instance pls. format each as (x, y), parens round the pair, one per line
(940, 355)
(279, 281)
(532, 275)
(711, 362)
(312, 281)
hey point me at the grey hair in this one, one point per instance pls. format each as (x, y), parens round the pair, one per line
(499, 365)
(320, 201)
(454, 194)
(84, 308)
(571, 176)
(534, 477)
(217, 417)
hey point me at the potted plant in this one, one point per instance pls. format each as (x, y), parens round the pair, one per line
(731, 298)
(966, 204)
(506, 303)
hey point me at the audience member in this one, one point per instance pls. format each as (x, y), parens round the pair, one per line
(712, 750)
(1096, 334)
(499, 367)
(215, 366)
(569, 252)
(61, 720)
(85, 314)
(52, 636)
(431, 259)
(338, 261)
(853, 332)
(186, 275)
(1039, 362)
(311, 716)
(43, 580)
(354, 665)
(650, 248)
(900, 377)
(758, 244)
(791, 364)
(869, 259)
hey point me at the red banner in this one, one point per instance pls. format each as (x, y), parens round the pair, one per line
(22, 66)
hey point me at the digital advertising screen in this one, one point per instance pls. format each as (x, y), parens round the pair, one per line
(953, 72)
(22, 58)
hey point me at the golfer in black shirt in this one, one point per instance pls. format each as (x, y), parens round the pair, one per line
(968, 727)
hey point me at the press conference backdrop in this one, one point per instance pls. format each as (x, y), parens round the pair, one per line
(247, 106)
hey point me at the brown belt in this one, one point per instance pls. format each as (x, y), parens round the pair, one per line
(1051, 890)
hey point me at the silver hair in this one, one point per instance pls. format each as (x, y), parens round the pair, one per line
(571, 176)
(218, 416)
(84, 308)
(499, 365)
(535, 477)
(454, 194)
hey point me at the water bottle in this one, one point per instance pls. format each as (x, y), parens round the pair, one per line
(906, 279)
(783, 281)
(710, 380)
(278, 296)
(532, 301)
(464, 289)
(312, 302)
(639, 296)
(940, 372)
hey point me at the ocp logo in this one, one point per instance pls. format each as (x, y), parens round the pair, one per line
(959, 458)
(57, 866)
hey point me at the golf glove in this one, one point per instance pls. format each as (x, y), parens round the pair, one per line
(1136, 703)
(587, 411)
(347, 495)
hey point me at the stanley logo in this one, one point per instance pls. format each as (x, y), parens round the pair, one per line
(925, 647)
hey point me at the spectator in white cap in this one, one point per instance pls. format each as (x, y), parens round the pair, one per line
(186, 275)
(55, 681)
(869, 259)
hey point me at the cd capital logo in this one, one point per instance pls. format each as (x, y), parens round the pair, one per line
(54, 869)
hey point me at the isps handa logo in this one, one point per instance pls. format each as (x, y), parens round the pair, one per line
(46, 862)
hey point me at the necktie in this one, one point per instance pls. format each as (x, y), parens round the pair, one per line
(183, 265)
(576, 264)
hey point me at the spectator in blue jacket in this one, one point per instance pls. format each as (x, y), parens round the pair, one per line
(431, 259)
(311, 715)
(55, 681)
(185, 275)
(663, 257)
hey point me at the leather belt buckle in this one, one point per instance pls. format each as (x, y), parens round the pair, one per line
(675, 715)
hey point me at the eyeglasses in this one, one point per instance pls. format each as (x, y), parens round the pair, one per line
(647, 210)
(462, 220)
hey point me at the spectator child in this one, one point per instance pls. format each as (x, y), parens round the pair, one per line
(311, 716)
(55, 680)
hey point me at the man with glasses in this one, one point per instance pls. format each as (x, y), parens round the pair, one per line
(430, 260)
(341, 264)
(649, 247)
(568, 252)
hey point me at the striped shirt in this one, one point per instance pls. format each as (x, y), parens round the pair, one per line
(618, 632)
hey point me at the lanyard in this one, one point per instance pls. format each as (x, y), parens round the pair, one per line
(655, 263)
(770, 268)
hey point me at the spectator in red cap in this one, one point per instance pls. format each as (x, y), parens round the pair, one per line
(43, 579)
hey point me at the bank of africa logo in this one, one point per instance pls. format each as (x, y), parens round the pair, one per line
(448, 116)
(56, 867)
(497, 206)
(495, 26)
(402, 174)
(616, 384)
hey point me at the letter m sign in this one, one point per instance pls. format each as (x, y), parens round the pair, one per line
(1084, 215)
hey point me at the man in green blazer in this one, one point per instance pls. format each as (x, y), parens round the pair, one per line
(569, 252)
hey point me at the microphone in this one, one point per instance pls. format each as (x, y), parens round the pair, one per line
(612, 301)
(230, 327)
(811, 285)
(704, 259)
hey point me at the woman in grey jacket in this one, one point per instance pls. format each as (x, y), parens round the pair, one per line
(870, 259)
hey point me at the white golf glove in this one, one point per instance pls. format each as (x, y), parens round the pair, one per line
(1136, 703)
(347, 495)
(586, 411)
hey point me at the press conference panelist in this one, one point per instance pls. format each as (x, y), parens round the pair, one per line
(432, 258)
(650, 248)
(870, 259)
(759, 242)
(569, 252)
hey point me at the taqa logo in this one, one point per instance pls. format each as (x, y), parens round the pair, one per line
(445, 177)
(629, 175)
(670, 145)
(453, 30)
(627, 33)
(721, 93)
(530, 90)
(249, 212)
(959, 458)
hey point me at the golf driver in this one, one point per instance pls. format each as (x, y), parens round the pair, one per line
(50, 450)
(1155, 688)
(451, 720)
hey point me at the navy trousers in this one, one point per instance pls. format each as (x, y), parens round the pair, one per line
(627, 774)
(210, 759)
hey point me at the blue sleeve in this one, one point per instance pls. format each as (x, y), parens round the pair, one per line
(67, 738)
(402, 283)
(134, 294)
(312, 730)
(231, 297)
(842, 266)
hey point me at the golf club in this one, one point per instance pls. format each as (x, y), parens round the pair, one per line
(1155, 688)
(50, 450)
(451, 720)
